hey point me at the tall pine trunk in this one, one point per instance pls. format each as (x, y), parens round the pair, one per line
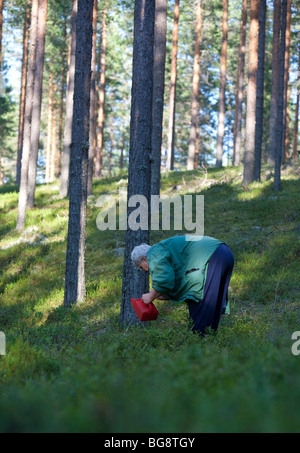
(280, 113)
(286, 93)
(259, 116)
(195, 94)
(27, 120)
(171, 128)
(62, 104)
(75, 270)
(222, 100)
(296, 125)
(1, 26)
(251, 93)
(136, 283)
(158, 92)
(93, 103)
(65, 161)
(240, 88)
(101, 117)
(49, 129)
(275, 82)
(37, 101)
(23, 88)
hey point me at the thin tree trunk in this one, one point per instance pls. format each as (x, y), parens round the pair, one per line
(75, 270)
(280, 114)
(93, 102)
(286, 94)
(259, 116)
(158, 92)
(222, 100)
(37, 101)
(65, 161)
(61, 108)
(49, 135)
(195, 95)
(296, 126)
(101, 118)
(27, 120)
(23, 88)
(1, 26)
(171, 128)
(53, 133)
(139, 178)
(275, 81)
(111, 137)
(251, 93)
(240, 88)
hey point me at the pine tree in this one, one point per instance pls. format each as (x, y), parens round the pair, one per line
(75, 270)
(139, 178)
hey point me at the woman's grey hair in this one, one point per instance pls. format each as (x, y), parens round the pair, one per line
(139, 252)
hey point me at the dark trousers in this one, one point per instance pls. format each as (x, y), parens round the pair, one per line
(207, 312)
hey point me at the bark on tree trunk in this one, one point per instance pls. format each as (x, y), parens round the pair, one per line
(23, 89)
(296, 126)
(171, 128)
(1, 25)
(259, 116)
(279, 129)
(37, 101)
(93, 122)
(75, 271)
(49, 128)
(286, 94)
(135, 283)
(251, 94)
(158, 92)
(275, 79)
(65, 167)
(222, 105)
(61, 107)
(101, 118)
(27, 120)
(195, 94)
(236, 160)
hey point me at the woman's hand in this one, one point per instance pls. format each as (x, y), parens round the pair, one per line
(149, 297)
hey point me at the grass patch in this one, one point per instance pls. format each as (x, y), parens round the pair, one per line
(76, 370)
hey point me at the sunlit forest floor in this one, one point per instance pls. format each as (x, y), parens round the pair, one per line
(76, 370)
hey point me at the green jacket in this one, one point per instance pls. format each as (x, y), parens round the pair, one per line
(178, 267)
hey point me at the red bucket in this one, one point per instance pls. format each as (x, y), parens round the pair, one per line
(144, 312)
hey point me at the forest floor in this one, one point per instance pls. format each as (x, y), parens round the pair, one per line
(76, 370)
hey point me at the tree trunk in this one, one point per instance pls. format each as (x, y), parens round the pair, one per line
(251, 93)
(280, 113)
(75, 271)
(275, 79)
(171, 128)
(100, 134)
(27, 120)
(259, 116)
(1, 26)
(139, 178)
(37, 101)
(286, 94)
(158, 92)
(49, 128)
(65, 167)
(93, 122)
(222, 100)
(61, 107)
(240, 88)
(296, 126)
(53, 134)
(23, 88)
(195, 95)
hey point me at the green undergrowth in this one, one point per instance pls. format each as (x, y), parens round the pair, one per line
(77, 370)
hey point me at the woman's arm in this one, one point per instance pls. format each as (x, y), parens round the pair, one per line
(149, 297)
